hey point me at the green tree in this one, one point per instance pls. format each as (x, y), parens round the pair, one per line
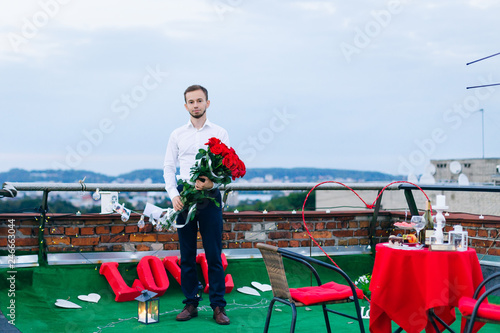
(293, 201)
(34, 204)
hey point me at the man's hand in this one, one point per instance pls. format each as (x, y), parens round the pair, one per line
(177, 203)
(203, 183)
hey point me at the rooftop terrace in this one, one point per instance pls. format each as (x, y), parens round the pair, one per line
(59, 256)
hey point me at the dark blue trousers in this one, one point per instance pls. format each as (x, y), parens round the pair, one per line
(208, 220)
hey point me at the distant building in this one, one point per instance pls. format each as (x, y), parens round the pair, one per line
(475, 170)
(451, 171)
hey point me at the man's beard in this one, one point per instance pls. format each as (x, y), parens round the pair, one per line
(198, 116)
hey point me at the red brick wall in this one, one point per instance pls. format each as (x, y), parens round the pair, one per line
(96, 232)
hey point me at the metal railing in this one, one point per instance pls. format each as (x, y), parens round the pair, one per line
(10, 189)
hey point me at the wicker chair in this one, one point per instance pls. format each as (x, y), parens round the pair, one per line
(475, 310)
(322, 294)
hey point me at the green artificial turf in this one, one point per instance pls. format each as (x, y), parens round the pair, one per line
(37, 289)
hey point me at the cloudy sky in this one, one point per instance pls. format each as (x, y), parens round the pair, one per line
(366, 85)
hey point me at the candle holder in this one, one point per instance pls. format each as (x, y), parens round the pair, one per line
(440, 220)
(459, 238)
(148, 307)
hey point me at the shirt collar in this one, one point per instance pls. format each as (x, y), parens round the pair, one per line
(207, 123)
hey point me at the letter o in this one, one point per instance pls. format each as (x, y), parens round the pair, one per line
(139, 93)
(266, 135)
(84, 148)
(373, 32)
(471, 103)
(153, 275)
(43, 16)
(416, 157)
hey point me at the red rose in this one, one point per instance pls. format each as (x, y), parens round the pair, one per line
(242, 168)
(213, 141)
(230, 161)
(235, 174)
(239, 171)
(225, 150)
(216, 149)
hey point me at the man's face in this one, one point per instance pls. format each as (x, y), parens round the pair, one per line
(196, 103)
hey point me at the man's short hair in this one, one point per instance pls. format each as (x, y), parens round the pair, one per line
(195, 87)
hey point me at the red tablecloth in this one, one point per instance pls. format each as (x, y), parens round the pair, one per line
(405, 284)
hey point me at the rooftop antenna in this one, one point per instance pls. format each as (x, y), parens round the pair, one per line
(483, 58)
(484, 85)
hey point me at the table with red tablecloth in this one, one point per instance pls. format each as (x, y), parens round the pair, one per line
(407, 284)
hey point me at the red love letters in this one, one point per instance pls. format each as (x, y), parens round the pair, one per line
(152, 274)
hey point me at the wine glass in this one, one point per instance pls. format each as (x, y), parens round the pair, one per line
(419, 224)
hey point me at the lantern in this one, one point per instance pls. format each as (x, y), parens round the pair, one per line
(459, 238)
(148, 307)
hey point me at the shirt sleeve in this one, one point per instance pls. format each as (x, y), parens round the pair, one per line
(224, 137)
(170, 166)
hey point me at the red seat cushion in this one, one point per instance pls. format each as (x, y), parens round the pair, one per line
(486, 311)
(330, 291)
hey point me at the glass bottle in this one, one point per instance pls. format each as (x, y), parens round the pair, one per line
(429, 224)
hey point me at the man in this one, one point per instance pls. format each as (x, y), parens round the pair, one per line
(183, 145)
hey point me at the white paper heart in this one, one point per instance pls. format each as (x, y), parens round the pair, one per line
(261, 287)
(249, 291)
(94, 298)
(62, 303)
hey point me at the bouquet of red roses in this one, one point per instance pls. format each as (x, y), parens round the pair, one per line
(217, 162)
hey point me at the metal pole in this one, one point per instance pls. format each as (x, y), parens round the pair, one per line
(482, 115)
(373, 222)
(42, 256)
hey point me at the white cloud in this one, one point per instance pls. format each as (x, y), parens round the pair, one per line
(253, 57)
(484, 4)
(316, 6)
(34, 29)
(115, 14)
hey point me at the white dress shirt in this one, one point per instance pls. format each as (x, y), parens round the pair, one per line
(183, 145)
